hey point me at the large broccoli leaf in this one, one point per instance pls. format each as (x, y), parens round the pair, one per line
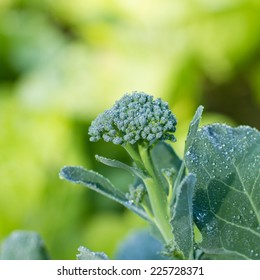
(227, 193)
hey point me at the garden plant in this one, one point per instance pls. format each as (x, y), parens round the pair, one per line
(203, 206)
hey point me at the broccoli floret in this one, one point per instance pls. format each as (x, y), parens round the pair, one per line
(135, 118)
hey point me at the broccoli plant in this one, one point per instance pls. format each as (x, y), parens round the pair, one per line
(205, 206)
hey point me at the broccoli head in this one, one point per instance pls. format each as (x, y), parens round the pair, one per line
(135, 118)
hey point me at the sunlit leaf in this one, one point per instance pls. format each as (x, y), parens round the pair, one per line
(193, 128)
(227, 193)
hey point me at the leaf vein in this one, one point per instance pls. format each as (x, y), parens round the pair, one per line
(235, 225)
(232, 251)
(249, 197)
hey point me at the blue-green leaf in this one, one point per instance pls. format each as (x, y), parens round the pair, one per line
(194, 124)
(140, 245)
(226, 163)
(23, 245)
(86, 254)
(164, 158)
(118, 164)
(99, 183)
(182, 219)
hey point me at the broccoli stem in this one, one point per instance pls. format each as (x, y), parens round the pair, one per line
(157, 197)
(134, 154)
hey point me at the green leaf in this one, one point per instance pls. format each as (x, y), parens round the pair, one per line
(182, 219)
(86, 254)
(164, 157)
(98, 183)
(228, 256)
(226, 163)
(194, 124)
(140, 245)
(118, 164)
(23, 245)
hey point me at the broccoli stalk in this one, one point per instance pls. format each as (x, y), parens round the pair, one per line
(159, 212)
(137, 122)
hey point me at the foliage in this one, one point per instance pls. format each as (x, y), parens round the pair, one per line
(227, 193)
(219, 195)
(85, 254)
(22, 245)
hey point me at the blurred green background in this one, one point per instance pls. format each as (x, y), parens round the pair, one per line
(63, 62)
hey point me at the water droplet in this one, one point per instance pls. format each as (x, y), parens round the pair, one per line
(211, 227)
(251, 212)
(200, 216)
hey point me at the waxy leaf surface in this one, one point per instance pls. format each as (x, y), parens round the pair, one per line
(182, 220)
(226, 205)
(86, 254)
(140, 245)
(23, 245)
(98, 183)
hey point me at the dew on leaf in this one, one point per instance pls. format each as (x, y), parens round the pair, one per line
(211, 227)
(201, 216)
